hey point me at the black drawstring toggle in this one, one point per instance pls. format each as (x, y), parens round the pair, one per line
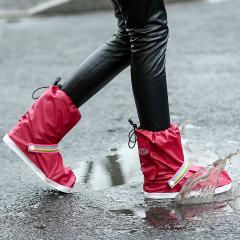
(58, 79)
(132, 134)
(55, 84)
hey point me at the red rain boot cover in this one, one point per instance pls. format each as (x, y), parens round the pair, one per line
(161, 156)
(51, 117)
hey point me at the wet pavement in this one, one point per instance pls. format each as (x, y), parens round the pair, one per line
(107, 202)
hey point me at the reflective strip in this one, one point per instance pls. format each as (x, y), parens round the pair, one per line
(175, 214)
(179, 175)
(42, 148)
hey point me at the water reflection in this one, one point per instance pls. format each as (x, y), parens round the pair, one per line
(119, 167)
(111, 166)
(122, 166)
(114, 168)
(127, 212)
(170, 216)
(162, 218)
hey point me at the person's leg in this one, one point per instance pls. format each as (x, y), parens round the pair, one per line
(146, 23)
(159, 142)
(101, 66)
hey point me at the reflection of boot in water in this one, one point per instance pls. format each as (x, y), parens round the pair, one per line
(162, 218)
(192, 211)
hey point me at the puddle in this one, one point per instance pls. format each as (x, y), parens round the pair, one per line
(128, 212)
(120, 167)
(173, 217)
(131, 231)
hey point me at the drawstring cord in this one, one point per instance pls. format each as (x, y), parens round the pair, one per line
(131, 135)
(58, 79)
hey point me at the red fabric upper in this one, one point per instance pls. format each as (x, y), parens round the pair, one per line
(161, 156)
(47, 122)
(164, 155)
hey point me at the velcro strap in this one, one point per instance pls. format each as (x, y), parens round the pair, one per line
(179, 174)
(44, 148)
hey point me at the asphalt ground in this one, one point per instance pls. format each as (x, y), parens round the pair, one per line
(107, 202)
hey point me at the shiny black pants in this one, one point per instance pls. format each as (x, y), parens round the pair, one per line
(140, 42)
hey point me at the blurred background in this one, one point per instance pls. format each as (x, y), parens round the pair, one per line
(53, 6)
(44, 39)
(31, 7)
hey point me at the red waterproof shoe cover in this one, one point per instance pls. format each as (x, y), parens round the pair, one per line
(51, 117)
(161, 156)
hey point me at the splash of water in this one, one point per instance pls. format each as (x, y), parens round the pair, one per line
(200, 187)
(184, 125)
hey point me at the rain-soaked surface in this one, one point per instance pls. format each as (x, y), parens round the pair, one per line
(107, 201)
(122, 167)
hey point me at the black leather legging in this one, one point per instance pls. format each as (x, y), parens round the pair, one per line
(140, 42)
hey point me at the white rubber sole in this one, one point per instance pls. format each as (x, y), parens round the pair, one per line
(174, 194)
(40, 174)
